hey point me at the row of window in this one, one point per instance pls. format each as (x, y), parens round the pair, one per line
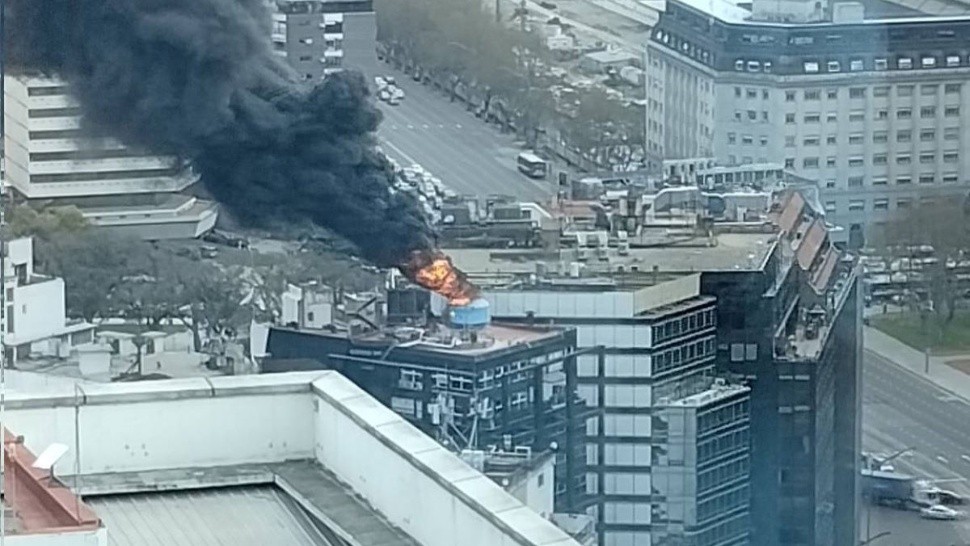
(879, 63)
(878, 137)
(721, 444)
(879, 203)
(693, 322)
(925, 158)
(714, 419)
(925, 112)
(722, 474)
(861, 92)
(677, 357)
(727, 501)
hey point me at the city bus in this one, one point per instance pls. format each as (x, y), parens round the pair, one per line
(532, 165)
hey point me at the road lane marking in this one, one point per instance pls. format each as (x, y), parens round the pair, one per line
(410, 126)
(942, 459)
(457, 126)
(425, 126)
(966, 458)
(400, 152)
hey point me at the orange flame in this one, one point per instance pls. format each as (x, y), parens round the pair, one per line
(434, 271)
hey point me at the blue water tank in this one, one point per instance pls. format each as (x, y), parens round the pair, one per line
(474, 316)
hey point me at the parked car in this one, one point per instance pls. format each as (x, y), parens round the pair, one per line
(938, 511)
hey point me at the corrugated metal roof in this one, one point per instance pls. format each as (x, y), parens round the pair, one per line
(811, 244)
(240, 516)
(791, 213)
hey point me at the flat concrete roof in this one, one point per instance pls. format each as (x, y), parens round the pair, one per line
(731, 252)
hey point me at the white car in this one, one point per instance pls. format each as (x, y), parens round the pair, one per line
(384, 94)
(398, 93)
(938, 511)
(380, 82)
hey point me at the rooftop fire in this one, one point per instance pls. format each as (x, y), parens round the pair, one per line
(433, 270)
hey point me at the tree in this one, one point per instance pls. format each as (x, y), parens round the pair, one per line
(942, 226)
(94, 266)
(46, 223)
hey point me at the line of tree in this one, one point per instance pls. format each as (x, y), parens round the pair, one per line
(461, 47)
(113, 276)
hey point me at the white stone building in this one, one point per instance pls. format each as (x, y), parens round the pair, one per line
(49, 160)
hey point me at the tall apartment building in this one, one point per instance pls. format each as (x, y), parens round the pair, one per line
(49, 160)
(647, 481)
(867, 98)
(320, 37)
(787, 325)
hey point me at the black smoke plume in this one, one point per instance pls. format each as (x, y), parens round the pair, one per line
(197, 79)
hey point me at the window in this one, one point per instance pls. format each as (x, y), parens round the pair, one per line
(904, 91)
(856, 65)
(880, 203)
(737, 115)
(811, 67)
(790, 141)
(857, 92)
(904, 136)
(856, 161)
(737, 92)
(764, 94)
(747, 139)
(830, 161)
(810, 163)
(904, 63)
(857, 115)
(732, 138)
(763, 140)
(879, 159)
(832, 117)
(789, 96)
(789, 162)
(927, 135)
(951, 133)
(789, 118)
(903, 180)
(880, 91)
(903, 159)
(831, 139)
(928, 90)
(813, 94)
(952, 111)
(881, 64)
(950, 178)
(904, 113)
(855, 181)
(739, 65)
(813, 118)
(928, 62)
(833, 66)
(752, 93)
(832, 94)
(856, 138)
(752, 115)
(882, 113)
(927, 179)
(927, 157)
(951, 157)
(879, 137)
(953, 60)
(830, 206)
(830, 182)
(927, 112)
(856, 205)
(951, 88)
(904, 203)
(811, 140)
(880, 181)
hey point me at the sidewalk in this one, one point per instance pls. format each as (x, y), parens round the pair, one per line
(940, 373)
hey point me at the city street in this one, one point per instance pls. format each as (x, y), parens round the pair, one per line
(468, 155)
(900, 411)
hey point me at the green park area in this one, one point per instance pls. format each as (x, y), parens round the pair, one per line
(908, 328)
